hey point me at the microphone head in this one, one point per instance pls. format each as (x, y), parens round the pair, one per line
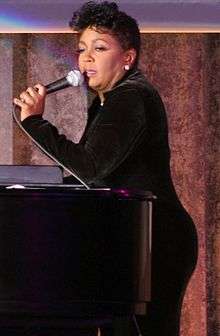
(75, 78)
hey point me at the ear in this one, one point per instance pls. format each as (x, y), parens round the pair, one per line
(130, 57)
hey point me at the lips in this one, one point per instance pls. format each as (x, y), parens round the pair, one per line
(91, 73)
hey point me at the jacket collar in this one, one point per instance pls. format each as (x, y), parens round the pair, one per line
(133, 77)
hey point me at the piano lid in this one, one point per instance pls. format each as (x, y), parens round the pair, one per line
(75, 190)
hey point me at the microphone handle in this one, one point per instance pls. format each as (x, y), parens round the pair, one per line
(57, 85)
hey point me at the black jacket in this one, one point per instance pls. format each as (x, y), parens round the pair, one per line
(124, 144)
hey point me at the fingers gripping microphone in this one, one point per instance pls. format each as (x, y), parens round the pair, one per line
(73, 78)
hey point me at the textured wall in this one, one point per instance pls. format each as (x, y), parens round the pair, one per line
(184, 68)
(212, 173)
(6, 129)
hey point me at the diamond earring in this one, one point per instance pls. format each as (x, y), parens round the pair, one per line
(127, 67)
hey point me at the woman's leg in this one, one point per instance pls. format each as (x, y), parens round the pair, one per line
(174, 256)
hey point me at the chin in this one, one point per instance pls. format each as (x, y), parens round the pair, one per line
(94, 87)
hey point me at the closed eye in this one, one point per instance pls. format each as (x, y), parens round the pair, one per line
(100, 48)
(80, 50)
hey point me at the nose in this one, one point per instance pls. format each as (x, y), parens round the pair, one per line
(87, 56)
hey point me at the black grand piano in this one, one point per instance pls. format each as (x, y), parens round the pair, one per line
(70, 255)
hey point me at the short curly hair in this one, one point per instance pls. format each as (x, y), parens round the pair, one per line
(106, 16)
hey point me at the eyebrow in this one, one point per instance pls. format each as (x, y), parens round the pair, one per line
(93, 41)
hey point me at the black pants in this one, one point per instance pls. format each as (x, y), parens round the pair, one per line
(174, 256)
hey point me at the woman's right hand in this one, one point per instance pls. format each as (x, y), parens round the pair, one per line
(32, 101)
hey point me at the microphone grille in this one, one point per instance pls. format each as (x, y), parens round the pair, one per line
(75, 78)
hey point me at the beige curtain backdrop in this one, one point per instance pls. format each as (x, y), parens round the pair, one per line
(185, 69)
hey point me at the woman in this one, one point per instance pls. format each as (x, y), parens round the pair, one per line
(124, 144)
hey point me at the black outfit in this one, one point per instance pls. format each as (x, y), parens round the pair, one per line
(125, 144)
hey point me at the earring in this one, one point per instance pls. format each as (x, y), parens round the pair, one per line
(127, 67)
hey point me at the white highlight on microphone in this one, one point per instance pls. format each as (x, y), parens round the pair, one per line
(75, 78)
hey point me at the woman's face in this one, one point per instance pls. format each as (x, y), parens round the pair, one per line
(101, 58)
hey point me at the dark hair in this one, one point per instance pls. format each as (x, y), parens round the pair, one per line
(105, 16)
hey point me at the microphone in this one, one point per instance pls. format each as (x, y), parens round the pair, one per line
(73, 78)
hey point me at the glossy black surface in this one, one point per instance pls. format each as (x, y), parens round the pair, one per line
(73, 253)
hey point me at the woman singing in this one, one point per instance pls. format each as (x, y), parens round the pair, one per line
(125, 144)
